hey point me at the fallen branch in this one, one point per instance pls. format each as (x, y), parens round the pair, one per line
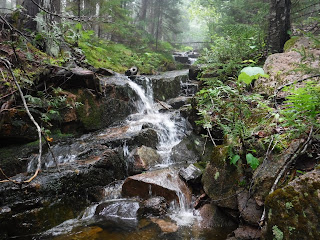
(292, 159)
(8, 66)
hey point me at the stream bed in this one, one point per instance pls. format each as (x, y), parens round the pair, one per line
(153, 202)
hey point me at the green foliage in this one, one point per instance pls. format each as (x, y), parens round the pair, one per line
(235, 159)
(48, 106)
(302, 109)
(230, 109)
(252, 161)
(248, 74)
(119, 57)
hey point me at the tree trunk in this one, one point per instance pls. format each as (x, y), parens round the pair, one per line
(143, 10)
(279, 25)
(32, 11)
(3, 6)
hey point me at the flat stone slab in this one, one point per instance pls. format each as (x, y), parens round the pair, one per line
(164, 182)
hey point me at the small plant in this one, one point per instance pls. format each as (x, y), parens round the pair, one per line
(277, 233)
(302, 109)
(248, 74)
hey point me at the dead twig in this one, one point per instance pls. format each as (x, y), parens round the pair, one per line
(8, 66)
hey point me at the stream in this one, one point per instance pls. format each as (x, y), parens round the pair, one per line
(148, 213)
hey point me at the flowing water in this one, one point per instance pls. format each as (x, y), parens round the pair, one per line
(170, 127)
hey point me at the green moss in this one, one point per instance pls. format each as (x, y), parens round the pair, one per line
(295, 212)
(119, 57)
(200, 165)
(289, 44)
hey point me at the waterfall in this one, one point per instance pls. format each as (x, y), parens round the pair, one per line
(169, 126)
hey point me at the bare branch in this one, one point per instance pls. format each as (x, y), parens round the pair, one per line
(8, 66)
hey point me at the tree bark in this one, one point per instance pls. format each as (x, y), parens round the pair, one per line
(143, 10)
(32, 11)
(279, 25)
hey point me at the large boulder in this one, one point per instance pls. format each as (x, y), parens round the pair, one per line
(165, 183)
(293, 211)
(221, 179)
(213, 217)
(282, 67)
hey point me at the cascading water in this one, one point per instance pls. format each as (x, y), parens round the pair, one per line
(170, 128)
(170, 131)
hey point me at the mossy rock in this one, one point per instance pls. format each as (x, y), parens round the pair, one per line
(100, 112)
(294, 210)
(221, 179)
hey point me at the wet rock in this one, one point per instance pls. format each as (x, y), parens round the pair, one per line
(14, 158)
(194, 72)
(221, 180)
(165, 183)
(147, 137)
(115, 137)
(144, 158)
(16, 127)
(165, 226)
(202, 200)
(249, 210)
(181, 59)
(54, 197)
(179, 102)
(119, 214)
(212, 216)
(293, 211)
(167, 85)
(156, 206)
(97, 113)
(28, 220)
(189, 88)
(190, 174)
(247, 233)
(188, 150)
(77, 78)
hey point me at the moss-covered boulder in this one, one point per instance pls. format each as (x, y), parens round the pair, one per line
(293, 212)
(221, 180)
(266, 173)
